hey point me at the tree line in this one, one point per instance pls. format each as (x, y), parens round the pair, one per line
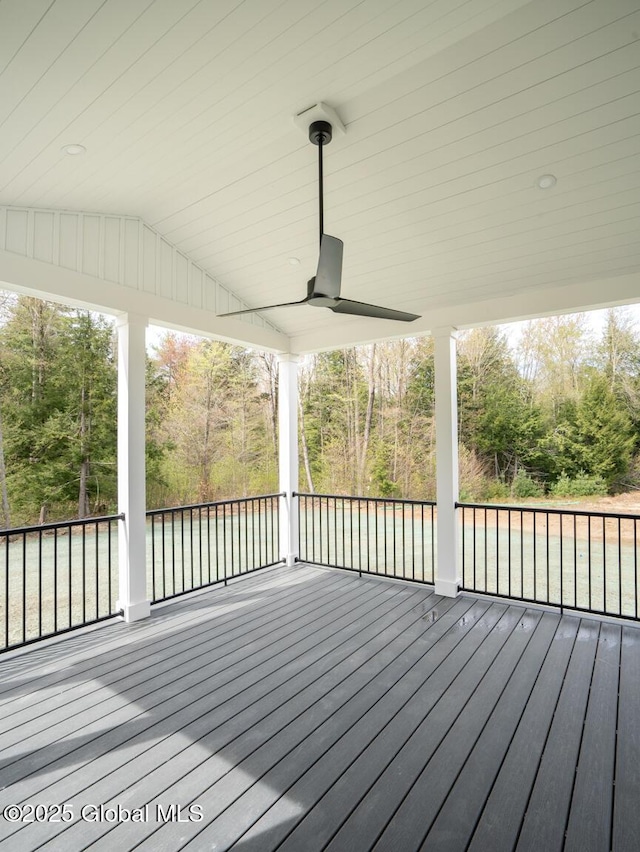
(558, 413)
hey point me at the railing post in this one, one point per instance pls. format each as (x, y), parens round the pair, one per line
(132, 557)
(288, 455)
(447, 574)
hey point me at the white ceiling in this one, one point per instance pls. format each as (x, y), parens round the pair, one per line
(452, 108)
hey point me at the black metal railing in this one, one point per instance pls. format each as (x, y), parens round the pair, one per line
(579, 560)
(189, 547)
(384, 536)
(56, 577)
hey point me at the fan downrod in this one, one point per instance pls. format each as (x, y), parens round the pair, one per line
(320, 132)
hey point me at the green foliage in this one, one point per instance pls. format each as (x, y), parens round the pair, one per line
(604, 430)
(524, 487)
(207, 419)
(582, 485)
(562, 411)
(497, 490)
(59, 409)
(498, 419)
(381, 468)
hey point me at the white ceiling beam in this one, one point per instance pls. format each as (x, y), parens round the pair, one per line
(45, 281)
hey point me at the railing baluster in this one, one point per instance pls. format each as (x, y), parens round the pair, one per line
(55, 581)
(547, 546)
(604, 566)
(69, 567)
(619, 567)
(613, 596)
(635, 566)
(561, 564)
(589, 558)
(109, 568)
(509, 549)
(38, 587)
(217, 546)
(575, 561)
(97, 574)
(8, 592)
(40, 583)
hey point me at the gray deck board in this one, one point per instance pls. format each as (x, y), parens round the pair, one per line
(325, 754)
(408, 825)
(403, 767)
(308, 709)
(548, 808)
(589, 827)
(198, 654)
(201, 750)
(210, 701)
(626, 813)
(498, 821)
(454, 825)
(249, 668)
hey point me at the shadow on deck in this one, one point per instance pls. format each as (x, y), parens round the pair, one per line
(308, 709)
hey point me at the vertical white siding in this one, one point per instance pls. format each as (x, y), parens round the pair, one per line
(112, 248)
(43, 236)
(68, 247)
(17, 224)
(91, 245)
(121, 249)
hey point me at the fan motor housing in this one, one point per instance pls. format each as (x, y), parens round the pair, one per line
(320, 132)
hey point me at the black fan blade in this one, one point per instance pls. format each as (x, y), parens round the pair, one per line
(362, 309)
(329, 274)
(265, 308)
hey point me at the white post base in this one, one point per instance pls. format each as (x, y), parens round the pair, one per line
(135, 611)
(447, 588)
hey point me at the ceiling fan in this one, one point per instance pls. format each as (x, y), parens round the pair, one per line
(323, 290)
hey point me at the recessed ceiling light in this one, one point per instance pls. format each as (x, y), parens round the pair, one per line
(546, 181)
(73, 150)
(294, 261)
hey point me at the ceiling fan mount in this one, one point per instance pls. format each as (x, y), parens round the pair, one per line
(320, 132)
(323, 290)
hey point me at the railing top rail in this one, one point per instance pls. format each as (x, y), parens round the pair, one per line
(57, 525)
(213, 503)
(548, 511)
(367, 499)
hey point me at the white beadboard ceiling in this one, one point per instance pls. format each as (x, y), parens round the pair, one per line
(452, 109)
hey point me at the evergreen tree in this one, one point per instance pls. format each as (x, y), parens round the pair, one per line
(604, 431)
(497, 417)
(59, 407)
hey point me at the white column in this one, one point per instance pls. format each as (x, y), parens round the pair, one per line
(288, 454)
(447, 578)
(132, 554)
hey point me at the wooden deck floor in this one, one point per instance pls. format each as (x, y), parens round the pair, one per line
(308, 709)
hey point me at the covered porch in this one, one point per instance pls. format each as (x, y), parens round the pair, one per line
(487, 172)
(153, 167)
(308, 708)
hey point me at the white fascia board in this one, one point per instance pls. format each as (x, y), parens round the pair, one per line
(571, 298)
(46, 281)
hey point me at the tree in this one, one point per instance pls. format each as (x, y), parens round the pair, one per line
(618, 357)
(58, 402)
(605, 438)
(554, 352)
(210, 421)
(497, 418)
